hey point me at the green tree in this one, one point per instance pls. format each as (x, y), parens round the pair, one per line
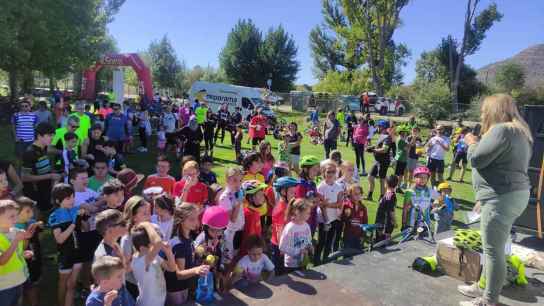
(165, 64)
(344, 82)
(432, 100)
(326, 52)
(278, 59)
(52, 36)
(364, 30)
(475, 28)
(240, 56)
(249, 60)
(510, 77)
(440, 63)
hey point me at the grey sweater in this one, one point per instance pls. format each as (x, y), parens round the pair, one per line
(500, 162)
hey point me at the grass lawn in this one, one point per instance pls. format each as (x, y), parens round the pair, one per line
(225, 157)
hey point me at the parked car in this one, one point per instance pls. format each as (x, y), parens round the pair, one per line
(386, 106)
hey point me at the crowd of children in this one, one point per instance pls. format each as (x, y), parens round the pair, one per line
(189, 239)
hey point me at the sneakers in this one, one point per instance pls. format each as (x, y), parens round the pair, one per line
(364, 173)
(473, 291)
(476, 302)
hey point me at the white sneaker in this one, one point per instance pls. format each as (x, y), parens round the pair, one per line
(473, 291)
(476, 302)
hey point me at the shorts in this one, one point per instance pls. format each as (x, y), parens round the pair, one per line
(436, 165)
(379, 169)
(294, 160)
(67, 260)
(400, 168)
(256, 140)
(461, 157)
(412, 164)
(171, 138)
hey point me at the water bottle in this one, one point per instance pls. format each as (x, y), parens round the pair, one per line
(204, 290)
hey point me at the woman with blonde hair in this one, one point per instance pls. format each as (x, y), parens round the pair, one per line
(500, 160)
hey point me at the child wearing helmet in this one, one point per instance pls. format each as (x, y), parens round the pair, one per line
(254, 199)
(310, 169)
(210, 246)
(285, 188)
(419, 198)
(382, 154)
(443, 208)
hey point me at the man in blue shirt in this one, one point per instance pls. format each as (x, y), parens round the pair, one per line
(116, 127)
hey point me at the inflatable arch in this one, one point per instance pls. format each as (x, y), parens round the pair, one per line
(145, 89)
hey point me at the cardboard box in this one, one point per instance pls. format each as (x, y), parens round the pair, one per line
(463, 265)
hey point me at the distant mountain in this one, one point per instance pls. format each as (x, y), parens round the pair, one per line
(532, 61)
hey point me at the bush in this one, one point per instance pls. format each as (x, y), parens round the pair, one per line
(432, 100)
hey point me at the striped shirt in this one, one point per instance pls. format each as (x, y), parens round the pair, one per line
(24, 124)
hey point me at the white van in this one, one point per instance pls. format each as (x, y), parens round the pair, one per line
(247, 98)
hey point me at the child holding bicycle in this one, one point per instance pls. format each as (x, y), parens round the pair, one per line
(418, 201)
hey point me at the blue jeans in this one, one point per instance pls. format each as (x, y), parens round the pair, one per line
(10, 297)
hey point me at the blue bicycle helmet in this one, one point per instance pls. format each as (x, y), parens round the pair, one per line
(285, 182)
(382, 123)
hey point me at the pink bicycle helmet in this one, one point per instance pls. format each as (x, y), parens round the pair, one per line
(216, 217)
(422, 170)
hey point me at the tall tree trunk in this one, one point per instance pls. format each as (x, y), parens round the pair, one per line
(450, 66)
(471, 8)
(28, 81)
(371, 59)
(13, 90)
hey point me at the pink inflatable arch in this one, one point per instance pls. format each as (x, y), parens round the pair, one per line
(145, 88)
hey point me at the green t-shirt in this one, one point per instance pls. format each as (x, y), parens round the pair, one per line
(59, 136)
(95, 184)
(401, 151)
(200, 113)
(84, 125)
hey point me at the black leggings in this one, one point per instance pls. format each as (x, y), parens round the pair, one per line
(221, 127)
(329, 146)
(143, 137)
(359, 156)
(327, 241)
(350, 136)
(208, 141)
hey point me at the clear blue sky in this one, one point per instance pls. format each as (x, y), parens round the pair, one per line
(198, 29)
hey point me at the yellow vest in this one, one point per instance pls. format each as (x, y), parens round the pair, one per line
(16, 261)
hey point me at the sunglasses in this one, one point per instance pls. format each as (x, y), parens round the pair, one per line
(74, 126)
(331, 172)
